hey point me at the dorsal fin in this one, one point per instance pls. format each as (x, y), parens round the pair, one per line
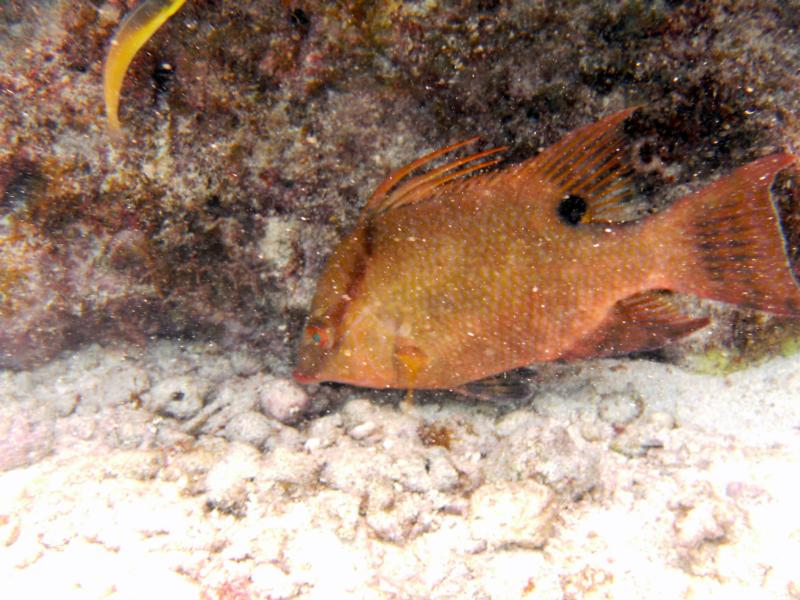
(643, 321)
(591, 163)
(391, 194)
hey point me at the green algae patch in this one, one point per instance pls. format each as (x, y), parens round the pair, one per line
(790, 346)
(777, 337)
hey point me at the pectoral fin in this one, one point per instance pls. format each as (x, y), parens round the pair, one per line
(409, 361)
(641, 322)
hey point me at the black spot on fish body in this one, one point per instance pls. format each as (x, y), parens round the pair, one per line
(572, 208)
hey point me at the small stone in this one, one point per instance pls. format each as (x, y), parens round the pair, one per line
(391, 515)
(651, 443)
(108, 14)
(282, 399)
(251, 427)
(323, 432)
(362, 431)
(278, 244)
(512, 514)
(286, 436)
(593, 431)
(289, 466)
(662, 420)
(620, 408)
(358, 411)
(181, 397)
(245, 363)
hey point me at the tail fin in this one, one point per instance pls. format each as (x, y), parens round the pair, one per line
(730, 243)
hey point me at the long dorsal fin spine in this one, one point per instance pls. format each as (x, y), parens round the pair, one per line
(395, 177)
(417, 182)
(420, 193)
(393, 193)
(429, 181)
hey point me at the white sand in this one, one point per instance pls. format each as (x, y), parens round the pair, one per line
(622, 479)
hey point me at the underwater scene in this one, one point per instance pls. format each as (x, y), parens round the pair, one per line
(426, 299)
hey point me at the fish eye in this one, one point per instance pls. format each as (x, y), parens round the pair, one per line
(318, 335)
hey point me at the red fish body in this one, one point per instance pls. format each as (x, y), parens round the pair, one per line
(447, 279)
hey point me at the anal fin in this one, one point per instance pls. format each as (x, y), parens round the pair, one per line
(643, 321)
(509, 386)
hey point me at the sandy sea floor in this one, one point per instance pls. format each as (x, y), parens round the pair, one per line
(130, 473)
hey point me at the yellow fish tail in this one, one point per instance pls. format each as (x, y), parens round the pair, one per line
(138, 27)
